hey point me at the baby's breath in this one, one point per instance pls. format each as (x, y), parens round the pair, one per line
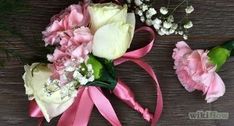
(163, 21)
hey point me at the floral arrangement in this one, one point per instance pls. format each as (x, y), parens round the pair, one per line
(89, 40)
(196, 69)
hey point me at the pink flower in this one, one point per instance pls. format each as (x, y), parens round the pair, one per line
(71, 51)
(196, 72)
(73, 17)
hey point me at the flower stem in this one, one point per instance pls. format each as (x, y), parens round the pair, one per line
(177, 6)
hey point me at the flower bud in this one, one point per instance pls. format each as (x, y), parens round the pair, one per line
(218, 56)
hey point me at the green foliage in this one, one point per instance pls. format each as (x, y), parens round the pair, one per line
(97, 66)
(218, 56)
(107, 75)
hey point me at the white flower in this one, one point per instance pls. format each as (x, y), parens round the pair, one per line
(101, 14)
(171, 31)
(163, 30)
(139, 12)
(157, 21)
(161, 33)
(167, 24)
(149, 22)
(180, 32)
(137, 2)
(170, 18)
(148, 16)
(35, 78)
(167, 32)
(185, 37)
(151, 12)
(114, 36)
(157, 26)
(188, 25)
(144, 7)
(142, 19)
(112, 40)
(189, 9)
(84, 79)
(70, 69)
(163, 10)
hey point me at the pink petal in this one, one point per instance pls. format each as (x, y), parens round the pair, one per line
(216, 89)
(78, 52)
(74, 18)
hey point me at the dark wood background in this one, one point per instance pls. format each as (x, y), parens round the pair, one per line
(213, 24)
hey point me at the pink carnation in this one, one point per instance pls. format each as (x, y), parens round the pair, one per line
(68, 31)
(73, 17)
(196, 72)
(72, 50)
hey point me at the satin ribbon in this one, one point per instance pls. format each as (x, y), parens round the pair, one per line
(78, 113)
(125, 94)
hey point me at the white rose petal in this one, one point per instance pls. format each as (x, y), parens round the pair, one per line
(35, 78)
(101, 14)
(112, 40)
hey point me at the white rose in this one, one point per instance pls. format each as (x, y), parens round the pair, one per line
(35, 77)
(114, 30)
(101, 14)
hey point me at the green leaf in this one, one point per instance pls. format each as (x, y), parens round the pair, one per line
(218, 56)
(105, 72)
(97, 66)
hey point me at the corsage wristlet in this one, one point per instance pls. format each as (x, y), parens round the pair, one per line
(88, 41)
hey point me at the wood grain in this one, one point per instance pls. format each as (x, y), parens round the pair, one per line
(213, 24)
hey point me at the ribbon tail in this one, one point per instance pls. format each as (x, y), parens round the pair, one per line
(34, 111)
(159, 105)
(123, 92)
(104, 106)
(150, 71)
(79, 113)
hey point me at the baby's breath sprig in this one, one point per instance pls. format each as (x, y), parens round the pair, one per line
(163, 20)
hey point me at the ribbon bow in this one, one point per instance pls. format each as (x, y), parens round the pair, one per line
(78, 113)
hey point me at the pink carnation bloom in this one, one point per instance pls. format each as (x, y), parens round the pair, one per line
(72, 50)
(196, 72)
(73, 17)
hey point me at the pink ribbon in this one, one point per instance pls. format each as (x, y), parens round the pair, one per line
(78, 113)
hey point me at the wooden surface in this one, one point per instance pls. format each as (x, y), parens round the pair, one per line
(213, 24)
